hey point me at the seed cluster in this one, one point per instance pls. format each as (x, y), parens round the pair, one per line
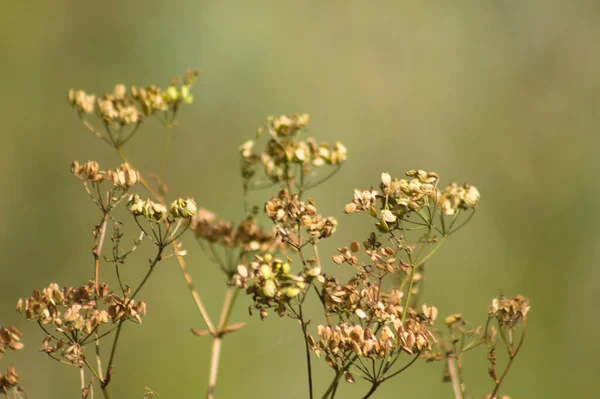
(9, 381)
(10, 338)
(284, 150)
(124, 177)
(76, 313)
(272, 285)
(184, 208)
(401, 197)
(346, 340)
(129, 107)
(290, 214)
(246, 235)
(509, 312)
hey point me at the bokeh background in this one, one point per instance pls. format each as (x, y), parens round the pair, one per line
(501, 94)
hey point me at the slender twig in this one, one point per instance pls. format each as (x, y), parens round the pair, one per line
(82, 374)
(192, 289)
(402, 369)
(106, 380)
(512, 356)
(456, 385)
(230, 297)
(308, 362)
(98, 249)
(374, 387)
(214, 367)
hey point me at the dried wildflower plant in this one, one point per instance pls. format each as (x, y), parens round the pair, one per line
(372, 326)
(10, 338)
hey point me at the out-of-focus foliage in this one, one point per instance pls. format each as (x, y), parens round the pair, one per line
(504, 94)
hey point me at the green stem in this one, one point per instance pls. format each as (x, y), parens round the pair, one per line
(430, 254)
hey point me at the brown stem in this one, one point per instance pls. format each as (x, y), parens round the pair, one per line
(82, 374)
(214, 367)
(228, 303)
(190, 284)
(99, 242)
(512, 356)
(456, 385)
(98, 361)
(372, 390)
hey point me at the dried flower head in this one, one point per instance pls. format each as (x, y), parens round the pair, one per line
(290, 214)
(285, 151)
(75, 313)
(184, 208)
(88, 172)
(272, 285)
(399, 199)
(247, 235)
(10, 338)
(509, 312)
(9, 381)
(349, 340)
(455, 197)
(124, 177)
(150, 210)
(81, 101)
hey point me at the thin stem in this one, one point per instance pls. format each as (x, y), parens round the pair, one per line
(372, 390)
(82, 374)
(333, 386)
(456, 385)
(107, 379)
(324, 179)
(89, 366)
(231, 295)
(98, 249)
(228, 305)
(512, 356)
(430, 254)
(98, 360)
(402, 369)
(308, 362)
(192, 289)
(150, 270)
(410, 287)
(214, 367)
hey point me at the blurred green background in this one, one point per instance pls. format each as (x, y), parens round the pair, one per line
(501, 94)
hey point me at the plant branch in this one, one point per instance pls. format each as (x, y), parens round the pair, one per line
(456, 385)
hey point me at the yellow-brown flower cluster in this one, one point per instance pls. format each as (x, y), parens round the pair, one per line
(455, 197)
(401, 197)
(10, 338)
(509, 312)
(76, 313)
(346, 340)
(362, 298)
(285, 150)
(247, 235)
(271, 283)
(129, 107)
(184, 208)
(290, 214)
(124, 177)
(9, 381)
(383, 258)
